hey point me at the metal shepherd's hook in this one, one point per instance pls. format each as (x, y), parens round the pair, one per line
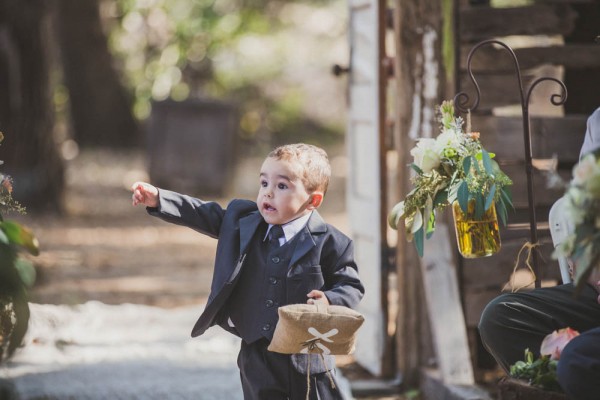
(461, 102)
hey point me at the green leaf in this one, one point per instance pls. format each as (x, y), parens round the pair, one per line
(490, 197)
(441, 198)
(463, 197)
(501, 211)
(416, 168)
(467, 165)
(19, 235)
(479, 206)
(487, 162)
(506, 197)
(26, 271)
(3, 238)
(418, 240)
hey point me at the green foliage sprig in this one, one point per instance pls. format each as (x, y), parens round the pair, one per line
(452, 167)
(16, 273)
(540, 372)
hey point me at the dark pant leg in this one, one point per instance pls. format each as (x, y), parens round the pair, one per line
(264, 374)
(579, 366)
(513, 322)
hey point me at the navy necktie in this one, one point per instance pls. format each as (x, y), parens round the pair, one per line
(275, 233)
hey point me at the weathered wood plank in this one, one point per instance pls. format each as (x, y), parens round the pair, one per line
(549, 135)
(477, 23)
(495, 271)
(496, 90)
(496, 59)
(444, 307)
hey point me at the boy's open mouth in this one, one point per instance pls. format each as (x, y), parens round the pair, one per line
(268, 207)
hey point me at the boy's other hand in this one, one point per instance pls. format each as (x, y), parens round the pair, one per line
(144, 193)
(317, 295)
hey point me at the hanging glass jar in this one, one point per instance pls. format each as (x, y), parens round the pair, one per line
(476, 237)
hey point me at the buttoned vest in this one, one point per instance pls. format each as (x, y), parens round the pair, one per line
(261, 289)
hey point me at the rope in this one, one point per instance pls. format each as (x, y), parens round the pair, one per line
(311, 345)
(530, 247)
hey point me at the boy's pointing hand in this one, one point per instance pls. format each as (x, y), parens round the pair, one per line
(144, 193)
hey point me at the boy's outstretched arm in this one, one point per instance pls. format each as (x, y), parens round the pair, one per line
(144, 193)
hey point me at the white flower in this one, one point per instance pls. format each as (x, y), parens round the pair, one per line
(425, 155)
(585, 169)
(448, 138)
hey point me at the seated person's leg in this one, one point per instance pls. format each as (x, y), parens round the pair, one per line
(513, 322)
(579, 366)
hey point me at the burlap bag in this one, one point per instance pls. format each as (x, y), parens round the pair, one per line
(316, 328)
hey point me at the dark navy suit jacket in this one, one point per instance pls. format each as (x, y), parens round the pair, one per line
(322, 260)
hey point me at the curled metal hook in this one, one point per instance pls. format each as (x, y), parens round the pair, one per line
(557, 99)
(462, 99)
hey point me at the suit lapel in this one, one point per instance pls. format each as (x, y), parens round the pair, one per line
(306, 241)
(248, 226)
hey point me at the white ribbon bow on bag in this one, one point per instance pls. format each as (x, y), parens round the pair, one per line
(316, 340)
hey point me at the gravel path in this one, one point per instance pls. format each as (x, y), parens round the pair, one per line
(96, 351)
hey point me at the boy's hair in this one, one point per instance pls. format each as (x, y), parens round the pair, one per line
(312, 160)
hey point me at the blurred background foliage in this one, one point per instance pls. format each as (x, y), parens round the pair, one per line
(84, 74)
(271, 57)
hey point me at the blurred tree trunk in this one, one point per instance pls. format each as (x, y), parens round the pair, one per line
(26, 111)
(100, 107)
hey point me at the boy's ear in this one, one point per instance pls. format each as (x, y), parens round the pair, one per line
(315, 199)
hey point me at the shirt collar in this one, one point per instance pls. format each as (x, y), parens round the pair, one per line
(291, 228)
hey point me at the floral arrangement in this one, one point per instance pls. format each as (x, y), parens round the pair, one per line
(542, 372)
(582, 205)
(16, 273)
(453, 167)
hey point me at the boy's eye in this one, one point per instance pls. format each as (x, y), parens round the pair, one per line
(282, 186)
(263, 183)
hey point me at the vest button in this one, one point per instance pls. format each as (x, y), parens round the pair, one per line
(269, 303)
(266, 327)
(273, 280)
(275, 260)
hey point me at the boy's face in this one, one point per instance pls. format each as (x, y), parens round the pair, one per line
(282, 196)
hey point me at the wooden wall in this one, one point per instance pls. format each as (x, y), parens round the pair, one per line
(552, 40)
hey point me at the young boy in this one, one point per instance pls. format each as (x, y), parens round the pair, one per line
(271, 253)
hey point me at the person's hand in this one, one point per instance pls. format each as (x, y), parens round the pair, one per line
(317, 295)
(144, 193)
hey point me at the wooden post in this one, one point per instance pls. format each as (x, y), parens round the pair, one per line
(445, 310)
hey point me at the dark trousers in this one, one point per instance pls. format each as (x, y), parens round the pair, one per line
(579, 366)
(513, 322)
(267, 375)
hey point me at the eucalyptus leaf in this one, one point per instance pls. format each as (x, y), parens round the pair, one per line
(416, 168)
(487, 162)
(419, 241)
(441, 198)
(506, 197)
(479, 206)
(490, 197)
(501, 211)
(467, 165)
(463, 197)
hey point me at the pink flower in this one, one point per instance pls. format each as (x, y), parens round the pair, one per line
(554, 343)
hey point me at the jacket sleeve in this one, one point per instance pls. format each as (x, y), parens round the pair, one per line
(202, 216)
(344, 285)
